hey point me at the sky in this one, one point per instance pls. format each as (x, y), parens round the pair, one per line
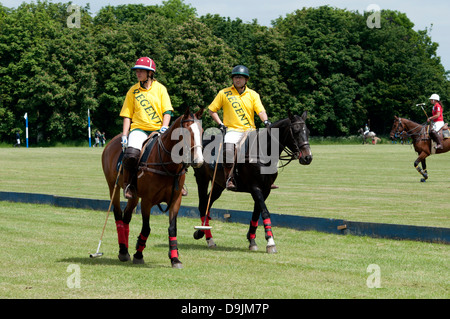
(423, 14)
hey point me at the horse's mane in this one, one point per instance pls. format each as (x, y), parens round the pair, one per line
(279, 123)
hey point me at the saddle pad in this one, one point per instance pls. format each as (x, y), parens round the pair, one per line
(147, 147)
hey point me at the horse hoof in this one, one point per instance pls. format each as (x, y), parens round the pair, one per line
(138, 261)
(211, 243)
(198, 234)
(253, 247)
(177, 265)
(271, 249)
(124, 257)
(423, 180)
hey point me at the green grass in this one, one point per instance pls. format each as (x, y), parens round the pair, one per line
(370, 183)
(38, 243)
(354, 182)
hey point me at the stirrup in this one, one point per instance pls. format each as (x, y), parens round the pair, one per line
(184, 191)
(230, 184)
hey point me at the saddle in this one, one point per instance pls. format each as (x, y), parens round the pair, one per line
(147, 146)
(445, 131)
(242, 149)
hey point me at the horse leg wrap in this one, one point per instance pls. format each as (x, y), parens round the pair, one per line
(268, 228)
(252, 230)
(140, 245)
(206, 223)
(422, 172)
(123, 231)
(173, 247)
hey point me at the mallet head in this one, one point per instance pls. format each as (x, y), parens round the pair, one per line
(95, 255)
(203, 227)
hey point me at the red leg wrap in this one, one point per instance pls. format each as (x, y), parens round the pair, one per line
(268, 227)
(173, 247)
(207, 231)
(121, 232)
(126, 230)
(141, 243)
(252, 231)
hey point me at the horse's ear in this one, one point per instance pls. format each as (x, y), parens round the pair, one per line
(396, 117)
(305, 115)
(188, 112)
(199, 113)
(291, 116)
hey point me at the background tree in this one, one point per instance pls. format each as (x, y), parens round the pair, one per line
(324, 60)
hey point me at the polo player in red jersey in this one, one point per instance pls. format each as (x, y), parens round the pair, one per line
(438, 120)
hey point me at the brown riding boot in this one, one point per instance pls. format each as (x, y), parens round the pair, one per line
(437, 138)
(130, 161)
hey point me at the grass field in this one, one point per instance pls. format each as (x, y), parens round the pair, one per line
(353, 182)
(40, 245)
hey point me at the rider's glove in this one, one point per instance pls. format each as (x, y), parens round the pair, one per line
(163, 129)
(124, 142)
(223, 128)
(267, 123)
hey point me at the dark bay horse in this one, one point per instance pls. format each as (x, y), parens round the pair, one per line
(254, 176)
(159, 179)
(421, 141)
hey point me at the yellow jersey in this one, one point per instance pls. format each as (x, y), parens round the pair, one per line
(145, 108)
(238, 109)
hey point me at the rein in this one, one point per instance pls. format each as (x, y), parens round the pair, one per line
(412, 132)
(290, 155)
(166, 172)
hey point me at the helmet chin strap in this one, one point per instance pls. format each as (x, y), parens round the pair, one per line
(143, 83)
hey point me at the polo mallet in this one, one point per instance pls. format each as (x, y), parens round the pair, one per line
(203, 226)
(421, 105)
(98, 254)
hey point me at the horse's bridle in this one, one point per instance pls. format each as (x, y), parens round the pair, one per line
(195, 145)
(409, 133)
(162, 164)
(291, 155)
(397, 131)
(165, 171)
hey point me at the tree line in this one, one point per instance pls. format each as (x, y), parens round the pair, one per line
(325, 60)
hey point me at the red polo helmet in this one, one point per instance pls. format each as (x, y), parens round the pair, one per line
(145, 63)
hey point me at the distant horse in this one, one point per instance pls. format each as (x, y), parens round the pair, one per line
(159, 179)
(293, 138)
(421, 141)
(367, 135)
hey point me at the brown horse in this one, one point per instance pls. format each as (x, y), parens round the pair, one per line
(159, 179)
(421, 141)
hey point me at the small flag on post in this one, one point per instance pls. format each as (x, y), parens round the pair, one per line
(26, 126)
(89, 127)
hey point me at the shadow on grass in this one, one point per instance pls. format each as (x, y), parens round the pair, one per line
(110, 261)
